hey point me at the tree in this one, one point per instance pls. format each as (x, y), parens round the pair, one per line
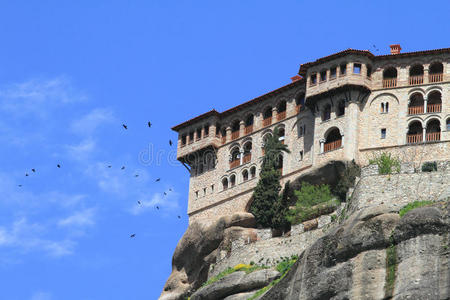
(267, 190)
(279, 220)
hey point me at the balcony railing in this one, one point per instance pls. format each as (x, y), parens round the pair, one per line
(234, 135)
(281, 115)
(267, 121)
(413, 80)
(433, 136)
(235, 163)
(435, 77)
(434, 108)
(248, 129)
(414, 110)
(332, 146)
(247, 158)
(414, 138)
(388, 83)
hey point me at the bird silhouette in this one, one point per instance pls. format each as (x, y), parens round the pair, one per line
(124, 126)
(34, 170)
(123, 168)
(149, 124)
(19, 185)
(157, 207)
(133, 235)
(170, 142)
(58, 165)
(109, 167)
(170, 190)
(179, 217)
(139, 202)
(137, 175)
(26, 174)
(165, 194)
(158, 179)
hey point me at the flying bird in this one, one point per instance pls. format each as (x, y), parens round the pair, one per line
(133, 235)
(137, 175)
(19, 185)
(158, 179)
(26, 174)
(124, 126)
(170, 190)
(123, 168)
(58, 165)
(157, 207)
(165, 194)
(170, 142)
(34, 170)
(139, 202)
(149, 124)
(179, 217)
(109, 166)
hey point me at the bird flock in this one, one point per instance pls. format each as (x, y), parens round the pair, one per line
(33, 170)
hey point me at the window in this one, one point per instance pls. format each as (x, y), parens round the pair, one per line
(313, 79)
(341, 108)
(199, 133)
(253, 172)
(212, 188)
(301, 155)
(204, 191)
(233, 180)
(333, 73)
(369, 71)
(342, 69)
(326, 113)
(183, 140)
(225, 183)
(301, 130)
(206, 129)
(382, 107)
(386, 107)
(357, 68)
(383, 133)
(196, 194)
(191, 137)
(245, 175)
(323, 76)
(448, 124)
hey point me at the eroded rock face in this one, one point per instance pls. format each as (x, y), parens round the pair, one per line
(350, 261)
(197, 250)
(235, 283)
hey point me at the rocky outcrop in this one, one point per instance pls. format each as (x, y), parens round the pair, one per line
(236, 283)
(198, 248)
(354, 260)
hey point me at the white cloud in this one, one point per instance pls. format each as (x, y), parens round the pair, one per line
(88, 124)
(82, 150)
(41, 296)
(80, 218)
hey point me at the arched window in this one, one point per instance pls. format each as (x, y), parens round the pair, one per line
(387, 107)
(281, 134)
(253, 172)
(265, 139)
(340, 108)
(225, 183)
(435, 72)
(235, 130)
(233, 180)
(267, 116)
(434, 104)
(235, 158)
(416, 104)
(448, 124)
(247, 152)
(333, 140)
(223, 133)
(390, 77)
(326, 112)
(416, 75)
(281, 110)
(414, 134)
(433, 131)
(245, 175)
(249, 124)
(382, 107)
(300, 102)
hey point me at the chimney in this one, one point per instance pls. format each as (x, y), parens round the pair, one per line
(296, 78)
(395, 49)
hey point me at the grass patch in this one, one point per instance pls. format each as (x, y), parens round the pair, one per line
(391, 270)
(283, 267)
(413, 205)
(240, 267)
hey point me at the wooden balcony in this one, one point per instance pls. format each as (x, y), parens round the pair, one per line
(267, 122)
(389, 83)
(247, 158)
(415, 110)
(281, 115)
(332, 146)
(414, 138)
(234, 135)
(235, 163)
(413, 80)
(435, 77)
(248, 129)
(433, 136)
(434, 108)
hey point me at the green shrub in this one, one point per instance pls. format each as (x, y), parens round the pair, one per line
(347, 180)
(430, 166)
(386, 163)
(413, 205)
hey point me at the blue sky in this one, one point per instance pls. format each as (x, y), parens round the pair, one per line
(71, 72)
